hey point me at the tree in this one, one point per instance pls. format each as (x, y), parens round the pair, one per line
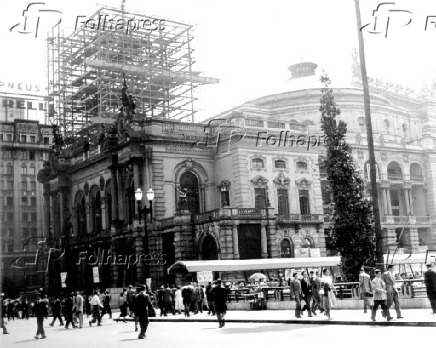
(352, 225)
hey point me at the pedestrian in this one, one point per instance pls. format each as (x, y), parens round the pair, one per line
(316, 296)
(129, 297)
(178, 301)
(380, 296)
(87, 302)
(68, 311)
(79, 308)
(328, 298)
(167, 298)
(201, 300)
(107, 305)
(123, 306)
(142, 308)
(41, 312)
(2, 312)
(306, 289)
(296, 294)
(211, 308)
(365, 289)
(430, 284)
(187, 298)
(11, 310)
(219, 294)
(160, 302)
(392, 292)
(57, 310)
(25, 309)
(133, 304)
(96, 305)
(196, 298)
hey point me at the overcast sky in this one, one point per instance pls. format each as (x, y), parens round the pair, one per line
(249, 44)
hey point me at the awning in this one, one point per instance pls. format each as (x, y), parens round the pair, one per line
(253, 265)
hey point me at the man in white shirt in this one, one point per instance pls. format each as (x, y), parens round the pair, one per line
(95, 304)
(379, 290)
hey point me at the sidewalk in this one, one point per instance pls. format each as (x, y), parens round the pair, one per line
(412, 317)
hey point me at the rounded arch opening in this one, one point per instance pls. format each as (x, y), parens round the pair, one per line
(287, 248)
(209, 248)
(189, 183)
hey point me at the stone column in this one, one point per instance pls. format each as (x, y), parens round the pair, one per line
(235, 242)
(264, 242)
(388, 194)
(412, 212)
(414, 238)
(406, 201)
(47, 209)
(385, 201)
(114, 193)
(103, 213)
(136, 181)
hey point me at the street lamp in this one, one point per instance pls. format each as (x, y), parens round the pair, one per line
(144, 210)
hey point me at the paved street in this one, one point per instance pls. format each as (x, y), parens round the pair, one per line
(195, 334)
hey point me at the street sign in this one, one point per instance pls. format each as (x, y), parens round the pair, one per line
(95, 275)
(63, 279)
(204, 277)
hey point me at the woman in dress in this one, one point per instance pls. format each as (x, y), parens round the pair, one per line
(178, 299)
(328, 298)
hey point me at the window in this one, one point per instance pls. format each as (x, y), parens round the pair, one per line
(32, 155)
(304, 202)
(283, 202)
(32, 170)
(257, 163)
(9, 185)
(25, 232)
(24, 216)
(33, 201)
(24, 155)
(23, 138)
(395, 202)
(32, 139)
(225, 199)
(10, 232)
(301, 166)
(23, 200)
(259, 198)
(24, 185)
(367, 171)
(24, 170)
(33, 185)
(8, 137)
(10, 247)
(2, 185)
(280, 164)
(1, 137)
(286, 249)
(9, 201)
(10, 217)
(7, 154)
(33, 232)
(46, 141)
(386, 124)
(33, 217)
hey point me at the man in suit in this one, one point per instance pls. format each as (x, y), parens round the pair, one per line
(316, 287)
(306, 289)
(365, 288)
(296, 294)
(167, 297)
(380, 296)
(41, 311)
(142, 305)
(219, 295)
(430, 283)
(392, 292)
(129, 297)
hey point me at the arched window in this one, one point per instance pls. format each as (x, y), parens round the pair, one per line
(95, 210)
(286, 248)
(80, 214)
(257, 163)
(280, 164)
(189, 183)
(394, 171)
(301, 165)
(416, 172)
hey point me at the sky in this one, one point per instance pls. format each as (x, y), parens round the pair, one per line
(249, 45)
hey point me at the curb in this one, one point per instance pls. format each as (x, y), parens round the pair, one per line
(304, 322)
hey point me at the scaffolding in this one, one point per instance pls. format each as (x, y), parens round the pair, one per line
(85, 69)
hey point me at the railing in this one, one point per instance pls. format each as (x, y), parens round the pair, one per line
(395, 176)
(400, 219)
(417, 177)
(208, 215)
(423, 219)
(250, 212)
(300, 218)
(413, 288)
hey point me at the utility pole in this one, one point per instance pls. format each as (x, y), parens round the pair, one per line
(370, 140)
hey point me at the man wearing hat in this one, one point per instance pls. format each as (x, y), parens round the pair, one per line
(41, 311)
(142, 305)
(392, 292)
(365, 288)
(380, 295)
(430, 284)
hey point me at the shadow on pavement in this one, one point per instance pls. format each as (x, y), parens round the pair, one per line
(268, 328)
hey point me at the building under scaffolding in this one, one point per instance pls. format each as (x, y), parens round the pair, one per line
(86, 69)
